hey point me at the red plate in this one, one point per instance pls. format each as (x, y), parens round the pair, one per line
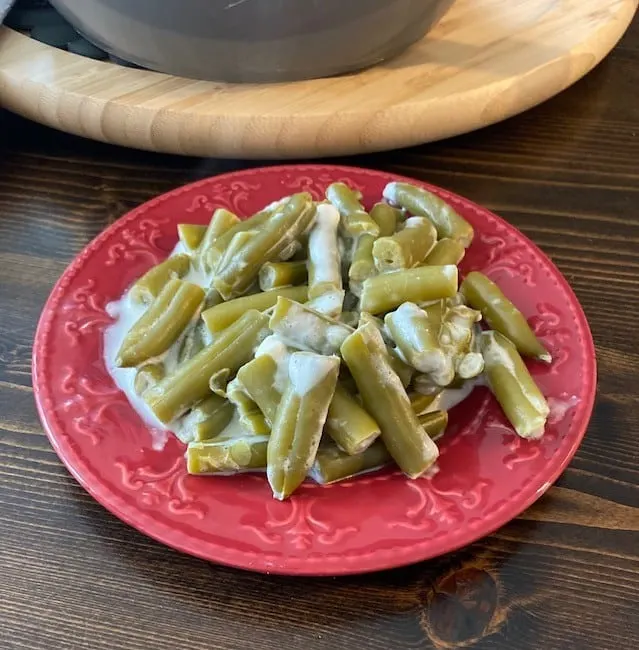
(487, 474)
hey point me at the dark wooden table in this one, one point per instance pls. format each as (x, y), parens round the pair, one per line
(563, 575)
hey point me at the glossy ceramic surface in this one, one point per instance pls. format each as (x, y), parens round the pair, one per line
(487, 474)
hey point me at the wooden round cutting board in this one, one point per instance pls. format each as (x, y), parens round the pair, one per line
(487, 60)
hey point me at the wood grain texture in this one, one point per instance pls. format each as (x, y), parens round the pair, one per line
(563, 575)
(487, 60)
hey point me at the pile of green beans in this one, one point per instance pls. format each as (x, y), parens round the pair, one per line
(314, 339)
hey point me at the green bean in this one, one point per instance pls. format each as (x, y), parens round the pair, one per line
(446, 251)
(362, 265)
(388, 291)
(386, 400)
(219, 381)
(147, 375)
(221, 316)
(355, 220)
(253, 223)
(227, 456)
(401, 368)
(149, 286)
(407, 248)
(421, 203)
(250, 416)
(324, 264)
(189, 383)
(502, 316)
(511, 383)
(162, 323)
(192, 343)
(305, 329)
(258, 379)
(191, 234)
(416, 336)
(329, 304)
(348, 423)
(299, 420)
(234, 275)
(332, 464)
(386, 217)
(434, 423)
(275, 275)
(421, 403)
(425, 385)
(221, 222)
(206, 420)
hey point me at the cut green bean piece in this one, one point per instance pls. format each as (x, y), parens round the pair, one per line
(446, 251)
(299, 420)
(258, 377)
(219, 381)
(388, 291)
(253, 223)
(147, 375)
(191, 234)
(386, 217)
(502, 316)
(407, 248)
(355, 220)
(275, 275)
(332, 464)
(324, 263)
(227, 456)
(422, 203)
(234, 275)
(416, 336)
(421, 403)
(251, 417)
(265, 378)
(221, 316)
(348, 423)
(386, 400)
(434, 423)
(221, 222)
(189, 383)
(403, 370)
(149, 286)
(512, 385)
(192, 343)
(206, 420)
(162, 324)
(362, 264)
(305, 329)
(329, 304)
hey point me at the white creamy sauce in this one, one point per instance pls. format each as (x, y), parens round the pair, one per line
(323, 251)
(306, 370)
(272, 346)
(127, 314)
(390, 193)
(559, 407)
(451, 397)
(330, 303)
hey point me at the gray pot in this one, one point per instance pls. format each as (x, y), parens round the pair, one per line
(253, 40)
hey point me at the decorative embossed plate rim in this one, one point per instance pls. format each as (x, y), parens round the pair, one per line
(487, 475)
